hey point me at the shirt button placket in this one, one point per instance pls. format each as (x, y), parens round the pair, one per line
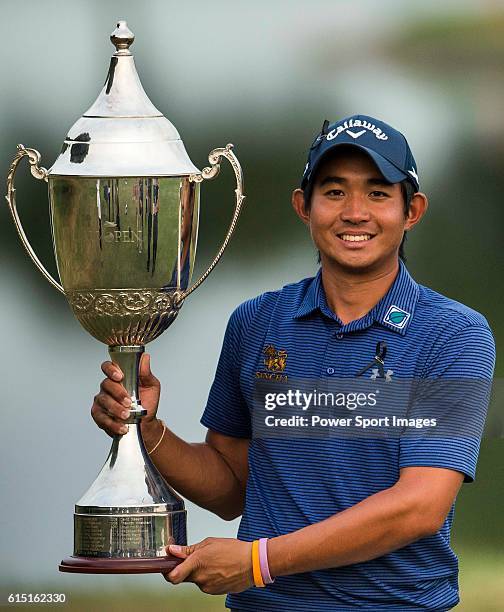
(330, 371)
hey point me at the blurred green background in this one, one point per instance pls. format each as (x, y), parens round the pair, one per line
(262, 75)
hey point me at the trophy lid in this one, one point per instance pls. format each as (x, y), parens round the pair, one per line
(123, 133)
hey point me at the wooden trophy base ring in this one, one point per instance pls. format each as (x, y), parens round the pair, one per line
(98, 565)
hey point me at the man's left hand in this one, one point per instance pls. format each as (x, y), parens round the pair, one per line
(216, 565)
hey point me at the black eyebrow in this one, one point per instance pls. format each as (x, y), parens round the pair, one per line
(339, 179)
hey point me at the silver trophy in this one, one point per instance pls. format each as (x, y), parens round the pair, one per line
(124, 199)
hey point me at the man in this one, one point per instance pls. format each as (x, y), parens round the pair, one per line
(352, 522)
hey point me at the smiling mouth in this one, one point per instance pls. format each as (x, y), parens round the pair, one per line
(355, 237)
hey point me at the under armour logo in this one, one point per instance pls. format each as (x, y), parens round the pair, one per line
(376, 374)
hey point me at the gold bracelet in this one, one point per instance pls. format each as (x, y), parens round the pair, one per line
(160, 439)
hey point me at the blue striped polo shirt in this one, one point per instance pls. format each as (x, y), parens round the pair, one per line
(296, 482)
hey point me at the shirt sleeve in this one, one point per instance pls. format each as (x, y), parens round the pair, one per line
(456, 393)
(226, 410)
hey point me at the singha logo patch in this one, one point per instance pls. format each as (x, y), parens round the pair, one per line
(274, 360)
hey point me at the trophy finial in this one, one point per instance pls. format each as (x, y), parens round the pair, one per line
(122, 38)
(122, 133)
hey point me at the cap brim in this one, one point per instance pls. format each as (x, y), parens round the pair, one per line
(391, 173)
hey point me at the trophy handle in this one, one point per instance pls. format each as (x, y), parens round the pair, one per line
(210, 173)
(39, 173)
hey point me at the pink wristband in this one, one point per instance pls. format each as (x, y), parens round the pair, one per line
(263, 561)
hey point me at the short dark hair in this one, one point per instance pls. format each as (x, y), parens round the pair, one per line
(407, 190)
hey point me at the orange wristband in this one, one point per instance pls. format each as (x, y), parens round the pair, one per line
(256, 566)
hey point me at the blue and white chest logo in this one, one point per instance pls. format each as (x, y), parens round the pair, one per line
(397, 317)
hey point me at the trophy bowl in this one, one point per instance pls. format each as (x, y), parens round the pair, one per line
(124, 204)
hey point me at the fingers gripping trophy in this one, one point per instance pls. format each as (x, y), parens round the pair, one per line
(124, 200)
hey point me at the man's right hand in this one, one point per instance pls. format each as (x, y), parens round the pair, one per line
(111, 405)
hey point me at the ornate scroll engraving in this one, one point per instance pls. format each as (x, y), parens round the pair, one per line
(120, 302)
(124, 316)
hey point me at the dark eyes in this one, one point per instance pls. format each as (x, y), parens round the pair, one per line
(338, 193)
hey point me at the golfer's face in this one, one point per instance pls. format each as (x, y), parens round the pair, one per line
(357, 219)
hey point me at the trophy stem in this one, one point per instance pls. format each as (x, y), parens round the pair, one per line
(128, 516)
(128, 359)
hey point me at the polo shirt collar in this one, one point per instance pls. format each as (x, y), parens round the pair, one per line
(394, 311)
(312, 297)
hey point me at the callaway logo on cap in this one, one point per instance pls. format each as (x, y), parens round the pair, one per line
(387, 147)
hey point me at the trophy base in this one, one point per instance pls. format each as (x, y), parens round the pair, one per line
(93, 565)
(103, 543)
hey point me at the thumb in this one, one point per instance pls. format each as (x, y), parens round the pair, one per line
(179, 551)
(183, 551)
(146, 377)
